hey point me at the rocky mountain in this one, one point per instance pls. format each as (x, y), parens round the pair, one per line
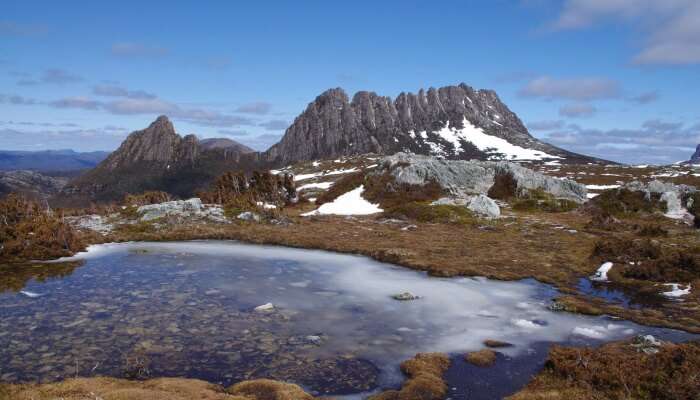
(157, 158)
(695, 158)
(49, 160)
(223, 143)
(454, 122)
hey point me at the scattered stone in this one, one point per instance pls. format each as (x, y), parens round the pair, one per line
(249, 216)
(314, 339)
(646, 344)
(496, 343)
(95, 223)
(265, 307)
(556, 306)
(405, 296)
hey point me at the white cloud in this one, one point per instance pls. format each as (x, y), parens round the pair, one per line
(580, 89)
(580, 110)
(671, 27)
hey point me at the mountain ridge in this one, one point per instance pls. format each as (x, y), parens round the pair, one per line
(333, 125)
(452, 122)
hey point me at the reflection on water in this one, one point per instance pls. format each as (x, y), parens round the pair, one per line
(188, 309)
(14, 277)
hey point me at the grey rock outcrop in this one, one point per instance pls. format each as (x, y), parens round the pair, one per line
(467, 178)
(333, 125)
(30, 183)
(479, 204)
(192, 208)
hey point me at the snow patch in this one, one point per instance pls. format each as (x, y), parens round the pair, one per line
(602, 187)
(676, 291)
(319, 185)
(601, 275)
(488, 143)
(350, 203)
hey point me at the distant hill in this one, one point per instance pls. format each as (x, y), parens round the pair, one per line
(49, 160)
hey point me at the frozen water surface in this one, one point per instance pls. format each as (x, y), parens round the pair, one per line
(194, 309)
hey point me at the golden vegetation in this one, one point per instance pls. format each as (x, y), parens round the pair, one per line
(425, 379)
(481, 358)
(617, 371)
(153, 389)
(31, 232)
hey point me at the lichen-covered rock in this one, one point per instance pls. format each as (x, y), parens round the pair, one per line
(485, 206)
(464, 178)
(186, 209)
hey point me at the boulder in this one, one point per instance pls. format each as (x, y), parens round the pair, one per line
(249, 216)
(468, 178)
(485, 206)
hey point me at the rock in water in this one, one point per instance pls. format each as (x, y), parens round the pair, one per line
(405, 296)
(485, 206)
(265, 307)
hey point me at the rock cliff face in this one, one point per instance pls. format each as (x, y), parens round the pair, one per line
(695, 158)
(454, 122)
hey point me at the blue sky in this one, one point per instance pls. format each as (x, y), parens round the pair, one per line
(616, 79)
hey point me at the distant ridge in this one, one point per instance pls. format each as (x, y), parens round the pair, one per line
(49, 160)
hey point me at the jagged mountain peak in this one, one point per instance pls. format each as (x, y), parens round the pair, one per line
(454, 122)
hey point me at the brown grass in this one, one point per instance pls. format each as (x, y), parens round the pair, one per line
(481, 358)
(153, 389)
(30, 232)
(425, 379)
(145, 198)
(617, 371)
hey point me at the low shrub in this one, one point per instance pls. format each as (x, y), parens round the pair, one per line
(624, 202)
(618, 371)
(652, 230)
(539, 200)
(237, 190)
(145, 198)
(29, 231)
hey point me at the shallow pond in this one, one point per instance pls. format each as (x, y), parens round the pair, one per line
(189, 309)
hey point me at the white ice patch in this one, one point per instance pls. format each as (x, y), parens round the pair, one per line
(488, 143)
(319, 185)
(676, 291)
(302, 177)
(591, 195)
(594, 332)
(602, 187)
(29, 294)
(350, 203)
(601, 275)
(453, 315)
